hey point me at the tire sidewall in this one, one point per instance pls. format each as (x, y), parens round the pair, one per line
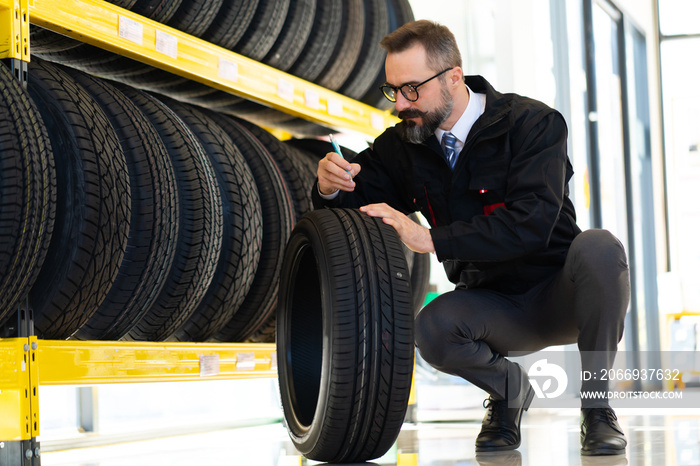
(304, 237)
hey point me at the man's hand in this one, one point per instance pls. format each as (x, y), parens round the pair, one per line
(335, 173)
(415, 236)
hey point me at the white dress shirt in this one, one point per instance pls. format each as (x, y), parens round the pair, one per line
(460, 130)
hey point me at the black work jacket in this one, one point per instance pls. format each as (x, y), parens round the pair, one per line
(502, 219)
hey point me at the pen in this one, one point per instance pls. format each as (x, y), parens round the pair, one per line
(336, 148)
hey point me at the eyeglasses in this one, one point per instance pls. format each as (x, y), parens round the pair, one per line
(409, 91)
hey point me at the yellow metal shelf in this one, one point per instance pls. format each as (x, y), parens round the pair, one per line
(18, 389)
(26, 363)
(118, 30)
(95, 362)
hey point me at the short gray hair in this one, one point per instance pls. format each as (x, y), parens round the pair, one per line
(439, 43)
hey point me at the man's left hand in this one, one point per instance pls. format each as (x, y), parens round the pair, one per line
(415, 236)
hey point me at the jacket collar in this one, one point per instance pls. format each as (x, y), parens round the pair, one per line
(497, 105)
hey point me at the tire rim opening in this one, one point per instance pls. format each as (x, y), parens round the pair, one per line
(306, 337)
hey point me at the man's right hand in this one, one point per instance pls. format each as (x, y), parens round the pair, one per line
(335, 173)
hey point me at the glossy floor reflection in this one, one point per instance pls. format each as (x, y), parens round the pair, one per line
(548, 439)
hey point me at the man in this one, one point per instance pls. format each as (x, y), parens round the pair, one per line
(496, 196)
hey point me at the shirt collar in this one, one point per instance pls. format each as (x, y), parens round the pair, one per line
(475, 108)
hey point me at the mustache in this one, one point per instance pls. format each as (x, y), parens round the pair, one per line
(411, 113)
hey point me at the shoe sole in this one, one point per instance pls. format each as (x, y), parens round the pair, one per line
(526, 405)
(603, 452)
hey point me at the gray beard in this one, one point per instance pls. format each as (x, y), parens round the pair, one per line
(414, 133)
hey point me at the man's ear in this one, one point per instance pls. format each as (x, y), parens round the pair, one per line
(455, 76)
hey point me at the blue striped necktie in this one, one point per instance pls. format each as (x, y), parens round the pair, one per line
(448, 147)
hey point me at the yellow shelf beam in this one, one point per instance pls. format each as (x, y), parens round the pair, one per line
(113, 28)
(96, 362)
(27, 363)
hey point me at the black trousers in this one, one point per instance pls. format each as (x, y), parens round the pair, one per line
(467, 332)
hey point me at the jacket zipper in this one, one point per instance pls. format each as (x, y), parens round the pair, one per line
(470, 141)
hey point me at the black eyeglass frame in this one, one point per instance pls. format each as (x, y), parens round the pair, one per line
(386, 87)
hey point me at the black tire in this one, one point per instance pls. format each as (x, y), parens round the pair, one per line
(419, 264)
(148, 78)
(294, 169)
(345, 336)
(212, 99)
(399, 13)
(154, 216)
(372, 56)
(317, 149)
(231, 22)
(157, 10)
(264, 29)
(93, 211)
(299, 175)
(242, 227)
(293, 36)
(301, 128)
(45, 41)
(126, 4)
(420, 279)
(347, 50)
(324, 36)
(198, 243)
(278, 214)
(195, 16)
(27, 192)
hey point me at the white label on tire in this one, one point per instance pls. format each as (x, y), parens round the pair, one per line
(208, 365)
(130, 30)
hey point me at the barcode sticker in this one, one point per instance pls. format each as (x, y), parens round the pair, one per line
(166, 43)
(285, 90)
(245, 361)
(311, 99)
(208, 365)
(335, 107)
(377, 121)
(228, 69)
(130, 30)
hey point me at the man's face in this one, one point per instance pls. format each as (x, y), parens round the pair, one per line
(422, 117)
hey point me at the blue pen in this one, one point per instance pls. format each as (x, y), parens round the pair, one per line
(336, 148)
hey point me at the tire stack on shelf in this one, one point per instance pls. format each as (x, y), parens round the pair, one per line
(128, 215)
(333, 43)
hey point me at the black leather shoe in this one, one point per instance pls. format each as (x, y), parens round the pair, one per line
(600, 433)
(500, 429)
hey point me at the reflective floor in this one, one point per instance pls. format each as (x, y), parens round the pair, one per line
(655, 438)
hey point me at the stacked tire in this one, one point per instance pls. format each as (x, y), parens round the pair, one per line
(170, 215)
(333, 43)
(144, 218)
(27, 195)
(126, 218)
